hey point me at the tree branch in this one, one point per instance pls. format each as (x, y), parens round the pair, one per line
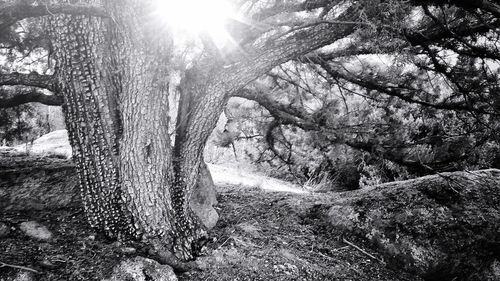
(433, 34)
(485, 5)
(277, 50)
(18, 10)
(28, 95)
(290, 116)
(32, 79)
(399, 91)
(285, 114)
(280, 8)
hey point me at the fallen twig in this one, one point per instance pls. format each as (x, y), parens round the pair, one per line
(323, 255)
(341, 248)
(361, 250)
(220, 246)
(2, 264)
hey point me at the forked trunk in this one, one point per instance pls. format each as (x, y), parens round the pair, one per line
(113, 74)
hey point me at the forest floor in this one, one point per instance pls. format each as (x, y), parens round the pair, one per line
(259, 237)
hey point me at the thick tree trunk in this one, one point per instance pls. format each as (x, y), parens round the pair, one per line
(89, 107)
(113, 74)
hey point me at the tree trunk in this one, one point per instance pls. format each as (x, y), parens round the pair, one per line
(113, 74)
(91, 116)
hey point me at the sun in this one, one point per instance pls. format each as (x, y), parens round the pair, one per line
(195, 17)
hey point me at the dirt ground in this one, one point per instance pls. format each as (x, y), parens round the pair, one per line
(259, 237)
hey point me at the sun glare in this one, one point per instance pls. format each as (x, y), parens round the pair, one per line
(197, 16)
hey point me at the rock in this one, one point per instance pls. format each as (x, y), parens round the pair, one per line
(35, 230)
(4, 230)
(45, 263)
(441, 227)
(34, 183)
(142, 269)
(128, 250)
(495, 270)
(53, 144)
(53, 262)
(25, 276)
(204, 198)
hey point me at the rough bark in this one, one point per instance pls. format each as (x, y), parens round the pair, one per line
(80, 51)
(14, 11)
(113, 75)
(143, 52)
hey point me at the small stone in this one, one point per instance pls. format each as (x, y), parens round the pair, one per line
(4, 230)
(48, 264)
(128, 250)
(91, 237)
(35, 230)
(25, 276)
(140, 268)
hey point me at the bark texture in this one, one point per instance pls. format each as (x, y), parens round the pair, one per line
(113, 75)
(80, 52)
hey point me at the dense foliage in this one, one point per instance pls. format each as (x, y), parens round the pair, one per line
(413, 91)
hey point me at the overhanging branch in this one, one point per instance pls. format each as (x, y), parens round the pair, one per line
(485, 5)
(32, 79)
(280, 8)
(27, 95)
(285, 114)
(290, 45)
(406, 94)
(18, 10)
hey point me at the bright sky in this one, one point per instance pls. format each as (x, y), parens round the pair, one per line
(196, 17)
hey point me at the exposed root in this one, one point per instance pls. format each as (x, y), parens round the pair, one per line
(362, 251)
(159, 251)
(166, 257)
(188, 241)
